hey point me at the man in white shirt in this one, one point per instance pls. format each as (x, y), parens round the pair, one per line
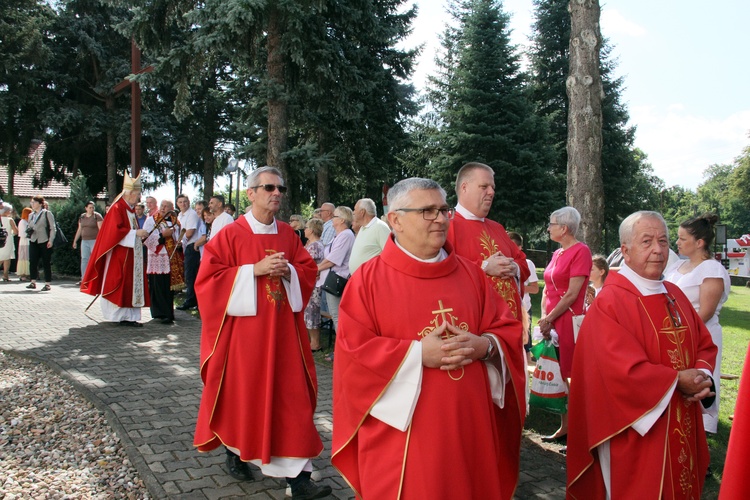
(221, 218)
(372, 235)
(189, 221)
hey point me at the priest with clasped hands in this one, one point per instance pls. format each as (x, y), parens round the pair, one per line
(642, 368)
(260, 386)
(428, 385)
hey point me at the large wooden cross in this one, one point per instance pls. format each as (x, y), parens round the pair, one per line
(135, 108)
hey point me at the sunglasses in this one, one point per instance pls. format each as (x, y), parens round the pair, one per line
(270, 188)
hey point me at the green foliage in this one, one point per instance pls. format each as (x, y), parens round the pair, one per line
(89, 59)
(484, 113)
(24, 78)
(67, 260)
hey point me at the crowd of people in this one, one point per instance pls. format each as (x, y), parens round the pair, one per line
(432, 313)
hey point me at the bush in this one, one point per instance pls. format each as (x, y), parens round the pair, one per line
(66, 261)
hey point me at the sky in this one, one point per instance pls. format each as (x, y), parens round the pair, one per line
(685, 69)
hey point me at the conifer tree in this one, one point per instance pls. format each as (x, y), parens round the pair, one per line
(481, 97)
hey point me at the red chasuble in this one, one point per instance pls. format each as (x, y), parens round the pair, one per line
(119, 282)
(260, 388)
(459, 443)
(477, 240)
(627, 358)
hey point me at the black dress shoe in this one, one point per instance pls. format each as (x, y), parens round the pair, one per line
(307, 490)
(167, 321)
(184, 307)
(555, 439)
(131, 324)
(564, 450)
(238, 469)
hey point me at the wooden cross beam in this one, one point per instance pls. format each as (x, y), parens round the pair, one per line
(135, 108)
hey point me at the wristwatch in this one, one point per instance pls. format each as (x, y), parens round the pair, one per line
(490, 349)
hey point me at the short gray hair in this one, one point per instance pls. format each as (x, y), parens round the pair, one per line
(628, 224)
(252, 179)
(569, 217)
(368, 205)
(399, 193)
(345, 213)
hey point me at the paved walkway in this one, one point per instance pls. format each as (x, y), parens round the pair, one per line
(147, 382)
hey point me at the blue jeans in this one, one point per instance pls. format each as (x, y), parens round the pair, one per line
(86, 247)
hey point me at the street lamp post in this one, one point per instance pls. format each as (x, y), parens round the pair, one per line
(231, 167)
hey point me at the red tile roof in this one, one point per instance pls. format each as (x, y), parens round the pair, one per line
(23, 184)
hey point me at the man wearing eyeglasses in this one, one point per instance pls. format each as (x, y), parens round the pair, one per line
(427, 363)
(326, 214)
(642, 380)
(260, 387)
(485, 241)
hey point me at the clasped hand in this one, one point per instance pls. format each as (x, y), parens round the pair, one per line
(274, 265)
(500, 266)
(694, 384)
(449, 354)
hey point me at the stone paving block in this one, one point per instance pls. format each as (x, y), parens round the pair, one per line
(150, 381)
(197, 484)
(210, 471)
(232, 491)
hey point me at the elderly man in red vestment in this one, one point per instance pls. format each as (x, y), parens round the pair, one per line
(429, 367)
(119, 272)
(642, 369)
(260, 387)
(485, 241)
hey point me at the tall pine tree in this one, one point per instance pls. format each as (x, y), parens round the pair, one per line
(486, 114)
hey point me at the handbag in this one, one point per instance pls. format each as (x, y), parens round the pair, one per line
(577, 322)
(60, 239)
(334, 284)
(548, 389)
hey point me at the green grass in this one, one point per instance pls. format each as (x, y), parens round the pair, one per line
(735, 322)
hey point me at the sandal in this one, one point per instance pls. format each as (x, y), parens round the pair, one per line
(45, 288)
(31, 286)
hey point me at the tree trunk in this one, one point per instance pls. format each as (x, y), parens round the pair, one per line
(278, 130)
(112, 191)
(322, 177)
(585, 189)
(208, 170)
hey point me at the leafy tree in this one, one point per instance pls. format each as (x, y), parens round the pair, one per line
(66, 260)
(88, 125)
(25, 31)
(485, 114)
(304, 78)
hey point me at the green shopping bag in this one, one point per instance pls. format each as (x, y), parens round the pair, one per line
(548, 389)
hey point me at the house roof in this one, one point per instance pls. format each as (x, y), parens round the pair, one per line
(23, 184)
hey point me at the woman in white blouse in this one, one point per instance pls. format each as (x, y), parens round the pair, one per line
(706, 283)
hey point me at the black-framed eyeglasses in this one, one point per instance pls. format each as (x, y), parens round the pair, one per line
(674, 313)
(431, 213)
(270, 188)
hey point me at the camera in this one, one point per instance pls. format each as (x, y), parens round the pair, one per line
(29, 231)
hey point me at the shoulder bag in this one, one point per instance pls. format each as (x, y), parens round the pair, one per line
(334, 284)
(60, 239)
